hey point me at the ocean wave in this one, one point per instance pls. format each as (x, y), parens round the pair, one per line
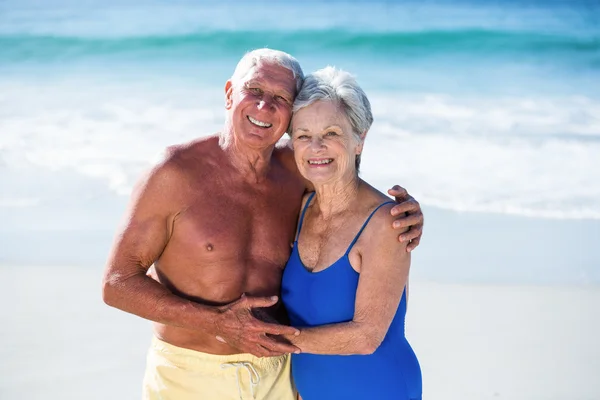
(477, 42)
(454, 152)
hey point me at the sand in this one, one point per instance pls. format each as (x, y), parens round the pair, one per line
(474, 341)
(506, 342)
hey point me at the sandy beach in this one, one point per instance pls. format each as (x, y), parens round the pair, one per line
(474, 341)
(480, 342)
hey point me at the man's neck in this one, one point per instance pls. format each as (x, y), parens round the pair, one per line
(252, 163)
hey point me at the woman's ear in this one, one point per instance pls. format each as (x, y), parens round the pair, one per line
(359, 147)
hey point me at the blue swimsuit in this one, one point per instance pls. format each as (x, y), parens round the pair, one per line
(327, 297)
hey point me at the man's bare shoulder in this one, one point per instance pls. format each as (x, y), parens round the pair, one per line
(191, 153)
(176, 163)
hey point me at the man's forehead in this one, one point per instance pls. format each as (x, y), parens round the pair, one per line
(264, 71)
(272, 67)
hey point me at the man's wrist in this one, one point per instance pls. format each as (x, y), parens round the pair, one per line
(204, 318)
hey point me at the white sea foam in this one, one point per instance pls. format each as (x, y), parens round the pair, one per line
(529, 156)
(535, 157)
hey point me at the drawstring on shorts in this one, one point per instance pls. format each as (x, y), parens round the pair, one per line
(254, 377)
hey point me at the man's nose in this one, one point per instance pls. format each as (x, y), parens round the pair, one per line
(265, 102)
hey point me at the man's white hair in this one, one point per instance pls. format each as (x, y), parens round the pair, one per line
(270, 56)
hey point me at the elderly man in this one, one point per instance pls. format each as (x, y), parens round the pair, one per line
(216, 219)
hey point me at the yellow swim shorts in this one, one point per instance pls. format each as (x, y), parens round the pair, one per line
(175, 373)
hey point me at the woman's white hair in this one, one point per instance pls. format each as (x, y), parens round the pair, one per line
(333, 84)
(270, 56)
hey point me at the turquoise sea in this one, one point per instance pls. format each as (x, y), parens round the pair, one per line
(481, 107)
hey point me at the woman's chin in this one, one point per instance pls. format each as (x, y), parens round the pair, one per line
(320, 177)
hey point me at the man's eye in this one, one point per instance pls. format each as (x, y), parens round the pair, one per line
(331, 133)
(255, 90)
(302, 137)
(282, 99)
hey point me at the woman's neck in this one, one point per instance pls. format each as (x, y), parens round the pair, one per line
(335, 198)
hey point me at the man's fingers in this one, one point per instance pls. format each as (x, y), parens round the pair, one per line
(275, 329)
(414, 243)
(412, 234)
(407, 206)
(269, 353)
(257, 351)
(278, 347)
(413, 220)
(260, 302)
(398, 191)
(260, 351)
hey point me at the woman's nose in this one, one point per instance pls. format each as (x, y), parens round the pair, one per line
(316, 143)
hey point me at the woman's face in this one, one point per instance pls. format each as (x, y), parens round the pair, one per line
(324, 145)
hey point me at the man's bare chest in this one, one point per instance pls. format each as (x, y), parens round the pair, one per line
(237, 225)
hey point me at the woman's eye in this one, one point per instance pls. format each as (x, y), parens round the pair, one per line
(331, 133)
(302, 137)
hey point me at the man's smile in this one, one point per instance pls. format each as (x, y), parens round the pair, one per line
(259, 123)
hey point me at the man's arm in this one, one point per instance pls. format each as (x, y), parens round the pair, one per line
(148, 226)
(144, 235)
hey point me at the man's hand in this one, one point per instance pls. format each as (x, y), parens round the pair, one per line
(412, 220)
(237, 327)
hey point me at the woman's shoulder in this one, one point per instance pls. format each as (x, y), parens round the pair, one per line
(377, 206)
(381, 218)
(371, 199)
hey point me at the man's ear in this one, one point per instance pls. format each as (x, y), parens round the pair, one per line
(228, 94)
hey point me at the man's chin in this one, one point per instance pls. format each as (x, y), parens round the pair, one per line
(261, 139)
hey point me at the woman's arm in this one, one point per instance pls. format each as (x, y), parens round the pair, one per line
(383, 275)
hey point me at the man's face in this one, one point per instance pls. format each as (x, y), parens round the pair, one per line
(260, 104)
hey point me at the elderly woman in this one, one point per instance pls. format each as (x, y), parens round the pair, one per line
(345, 283)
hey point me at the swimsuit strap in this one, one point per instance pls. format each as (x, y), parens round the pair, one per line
(365, 224)
(304, 212)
